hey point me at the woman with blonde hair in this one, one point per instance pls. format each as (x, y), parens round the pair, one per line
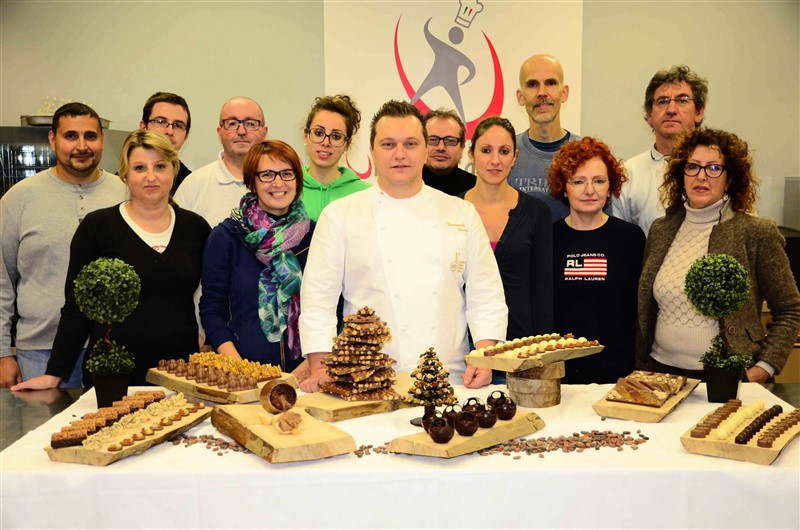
(162, 242)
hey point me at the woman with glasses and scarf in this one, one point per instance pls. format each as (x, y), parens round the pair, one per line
(330, 126)
(709, 193)
(253, 262)
(596, 261)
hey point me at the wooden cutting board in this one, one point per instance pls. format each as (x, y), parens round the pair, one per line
(728, 448)
(505, 362)
(314, 439)
(330, 408)
(523, 424)
(205, 392)
(643, 413)
(81, 455)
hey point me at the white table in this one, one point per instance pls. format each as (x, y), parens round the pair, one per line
(660, 485)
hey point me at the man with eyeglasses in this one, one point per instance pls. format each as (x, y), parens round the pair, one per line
(214, 190)
(542, 92)
(446, 138)
(168, 114)
(674, 102)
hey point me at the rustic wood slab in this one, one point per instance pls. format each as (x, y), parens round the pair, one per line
(523, 424)
(205, 392)
(505, 362)
(327, 407)
(750, 452)
(81, 455)
(643, 413)
(313, 440)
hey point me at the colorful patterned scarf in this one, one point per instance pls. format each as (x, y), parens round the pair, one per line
(273, 242)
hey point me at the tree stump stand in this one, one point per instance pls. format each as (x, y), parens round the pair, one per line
(536, 387)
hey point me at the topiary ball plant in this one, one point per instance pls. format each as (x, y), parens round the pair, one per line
(717, 285)
(107, 291)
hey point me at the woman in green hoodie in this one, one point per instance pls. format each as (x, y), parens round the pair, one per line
(330, 127)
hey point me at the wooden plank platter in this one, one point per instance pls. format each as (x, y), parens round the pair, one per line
(326, 407)
(711, 445)
(205, 392)
(313, 440)
(644, 413)
(103, 457)
(523, 424)
(505, 362)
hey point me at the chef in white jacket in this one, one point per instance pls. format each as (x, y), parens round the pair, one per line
(417, 256)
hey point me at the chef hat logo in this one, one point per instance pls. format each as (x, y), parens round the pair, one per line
(467, 10)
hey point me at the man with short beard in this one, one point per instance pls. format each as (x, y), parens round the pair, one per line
(674, 102)
(38, 218)
(446, 139)
(541, 91)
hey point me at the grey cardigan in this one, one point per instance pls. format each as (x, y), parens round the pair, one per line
(756, 243)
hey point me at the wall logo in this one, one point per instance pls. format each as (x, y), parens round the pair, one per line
(447, 63)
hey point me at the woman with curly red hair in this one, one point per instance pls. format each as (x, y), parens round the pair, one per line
(596, 261)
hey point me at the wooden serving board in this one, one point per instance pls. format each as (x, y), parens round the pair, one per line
(643, 413)
(327, 407)
(210, 393)
(727, 448)
(505, 362)
(523, 424)
(313, 440)
(81, 455)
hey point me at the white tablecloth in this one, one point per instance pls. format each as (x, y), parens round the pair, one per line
(660, 485)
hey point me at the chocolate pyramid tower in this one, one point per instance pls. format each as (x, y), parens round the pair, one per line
(359, 370)
(431, 386)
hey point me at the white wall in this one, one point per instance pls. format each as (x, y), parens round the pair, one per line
(748, 51)
(115, 55)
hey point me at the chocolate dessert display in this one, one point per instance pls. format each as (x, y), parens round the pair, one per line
(752, 433)
(645, 396)
(214, 377)
(359, 370)
(431, 386)
(130, 426)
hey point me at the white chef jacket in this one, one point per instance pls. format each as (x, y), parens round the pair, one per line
(423, 263)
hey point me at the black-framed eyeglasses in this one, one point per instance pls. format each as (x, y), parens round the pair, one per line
(232, 124)
(712, 170)
(449, 141)
(680, 101)
(318, 135)
(163, 124)
(267, 176)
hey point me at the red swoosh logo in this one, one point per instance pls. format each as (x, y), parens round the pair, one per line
(363, 175)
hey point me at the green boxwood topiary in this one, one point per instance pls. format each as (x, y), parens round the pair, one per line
(107, 291)
(717, 285)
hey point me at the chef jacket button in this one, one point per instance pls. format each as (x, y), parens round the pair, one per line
(731, 329)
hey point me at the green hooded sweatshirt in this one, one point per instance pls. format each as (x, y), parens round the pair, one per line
(316, 196)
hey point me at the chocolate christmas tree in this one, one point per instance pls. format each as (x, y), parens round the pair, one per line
(359, 370)
(431, 386)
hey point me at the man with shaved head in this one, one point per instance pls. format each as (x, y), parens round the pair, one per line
(541, 91)
(214, 190)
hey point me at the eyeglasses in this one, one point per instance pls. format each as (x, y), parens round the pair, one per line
(318, 135)
(232, 124)
(449, 141)
(680, 101)
(162, 124)
(712, 170)
(579, 182)
(269, 176)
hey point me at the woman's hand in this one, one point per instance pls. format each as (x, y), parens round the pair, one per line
(38, 383)
(229, 350)
(756, 374)
(477, 377)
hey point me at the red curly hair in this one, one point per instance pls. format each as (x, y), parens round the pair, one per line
(574, 154)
